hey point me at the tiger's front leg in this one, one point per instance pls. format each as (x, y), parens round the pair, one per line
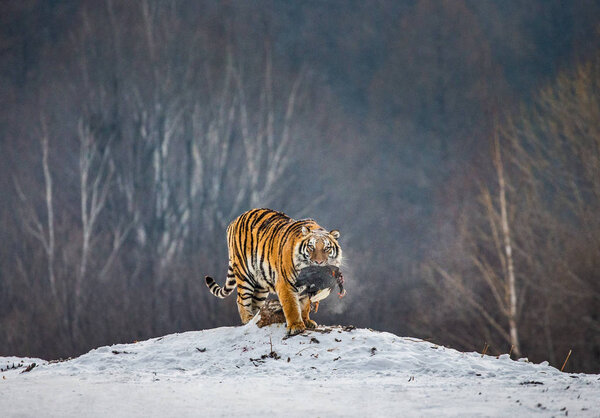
(291, 307)
(305, 308)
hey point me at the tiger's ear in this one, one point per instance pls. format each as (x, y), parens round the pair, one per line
(305, 231)
(334, 233)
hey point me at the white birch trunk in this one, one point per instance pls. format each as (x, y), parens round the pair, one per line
(510, 270)
(49, 207)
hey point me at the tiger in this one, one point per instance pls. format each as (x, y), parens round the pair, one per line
(267, 249)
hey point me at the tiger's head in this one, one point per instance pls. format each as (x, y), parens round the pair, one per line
(318, 247)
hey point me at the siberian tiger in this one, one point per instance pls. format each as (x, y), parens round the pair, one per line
(267, 249)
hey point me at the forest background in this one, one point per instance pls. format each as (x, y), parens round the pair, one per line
(455, 145)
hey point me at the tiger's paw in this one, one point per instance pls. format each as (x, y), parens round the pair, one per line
(296, 328)
(310, 324)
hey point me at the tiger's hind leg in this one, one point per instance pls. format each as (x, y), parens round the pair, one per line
(244, 308)
(244, 300)
(258, 299)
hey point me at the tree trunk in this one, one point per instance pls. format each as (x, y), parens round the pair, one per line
(49, 207)
(510, 271)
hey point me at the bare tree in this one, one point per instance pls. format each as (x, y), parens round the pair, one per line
(553, 151)
(95, 175)
(507, 262)
(266, 146)
(487, 279)
(33, 224)
(524, 268)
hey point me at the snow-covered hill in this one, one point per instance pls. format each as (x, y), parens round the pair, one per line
(252, 371)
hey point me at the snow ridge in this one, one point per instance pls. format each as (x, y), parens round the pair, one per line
(336, 371)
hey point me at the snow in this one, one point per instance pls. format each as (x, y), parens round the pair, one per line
(333, 371)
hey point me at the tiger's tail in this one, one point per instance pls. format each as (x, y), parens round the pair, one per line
(218, 291)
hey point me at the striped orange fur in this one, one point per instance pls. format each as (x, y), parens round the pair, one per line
(267, 249)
